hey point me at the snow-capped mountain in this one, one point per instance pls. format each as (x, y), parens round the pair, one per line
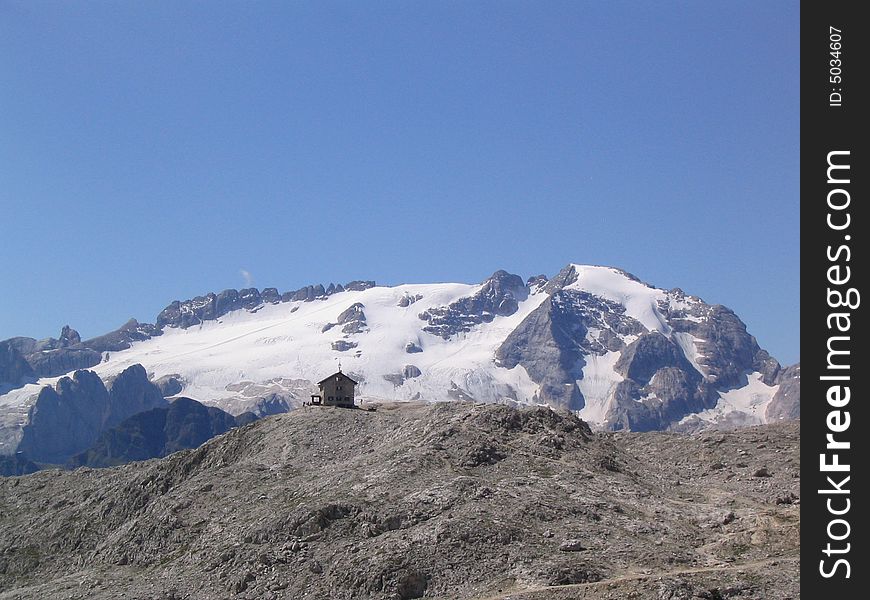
(595, 340)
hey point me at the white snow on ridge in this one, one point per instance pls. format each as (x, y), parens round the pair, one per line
(750, 401)
(640, 300)
(286, 341)
(597, 386)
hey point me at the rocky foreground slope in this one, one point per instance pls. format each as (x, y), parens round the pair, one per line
(448, 500)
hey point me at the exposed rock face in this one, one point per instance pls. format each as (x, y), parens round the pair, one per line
(358, 285)
(184, 424)
(14, 370)
(645, 356)
(659, 384)
(51, 357)
(408, 372)
(408, 300)
(343, 345)
(129, 393)
(67, 419)
(786, 404)
(498, 296)
(51, 363)
(594, 339)
(548, 345)
(450, 500)
(170, 385)
(352, 318)
(729, 351)
(411, 371)
(212, 306)
(123, 337)
(271, 296)
(69, 337)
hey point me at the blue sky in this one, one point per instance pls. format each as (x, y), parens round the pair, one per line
(153, 151)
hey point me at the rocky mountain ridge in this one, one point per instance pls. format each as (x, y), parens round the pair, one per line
(452, 500)
(619, 352)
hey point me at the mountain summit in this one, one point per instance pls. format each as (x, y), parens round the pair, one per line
(620, 353)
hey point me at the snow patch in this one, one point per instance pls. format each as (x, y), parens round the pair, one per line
(640, 300)
(750, 400)
(597, 385)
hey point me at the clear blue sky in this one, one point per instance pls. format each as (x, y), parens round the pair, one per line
(151, 151)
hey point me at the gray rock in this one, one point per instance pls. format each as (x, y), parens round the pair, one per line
(353, 313)
(65, 419)
(51, 363)
(169, 385)
(408, 300)
(270, 296)
(123, 337)
(571, 545)
(649, 353)
(499, 296)
(343, 345)
(412, 348)
(130, 392)
(69, 337)
(384, 502)
(547, 344)
(786, 403)
(14, 370)
(68, 418)
(249, 298)
(396, 379)
(411, 371)
(358, 285)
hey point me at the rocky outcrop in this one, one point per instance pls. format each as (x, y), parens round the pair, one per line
(123, 337)
(786, 403)
(67, 419)
(51, 357)
(408, 299)
(548, 345)
(51, 363)
(728, 352)
(498, 296)
(270, 296)
(358, 285)
(131, 392)
(408, 372)
(352, 319)
(170, 385)
(14, 369)
(184, 424)
(212, 306)
(343, 345)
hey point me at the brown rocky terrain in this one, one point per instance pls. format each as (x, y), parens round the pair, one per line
(449, 500)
